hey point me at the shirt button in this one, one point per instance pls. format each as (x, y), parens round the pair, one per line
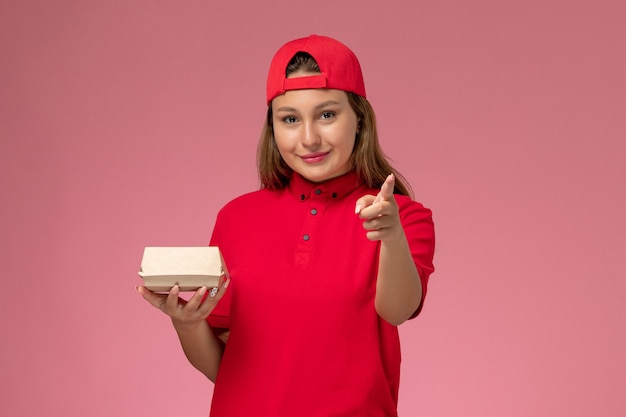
(301, 196)
(306, 237)
(318, 191)
(334, 195)
(313, 212)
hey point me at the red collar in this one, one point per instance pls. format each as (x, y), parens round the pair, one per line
(337, 187)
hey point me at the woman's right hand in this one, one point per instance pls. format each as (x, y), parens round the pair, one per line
(186, 312)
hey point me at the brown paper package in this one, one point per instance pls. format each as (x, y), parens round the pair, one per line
(188, 267)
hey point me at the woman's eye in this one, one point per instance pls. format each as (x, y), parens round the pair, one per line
(327, 115)
(289, 119)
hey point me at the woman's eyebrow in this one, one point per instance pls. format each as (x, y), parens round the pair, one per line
(284, 108)
(319, 106)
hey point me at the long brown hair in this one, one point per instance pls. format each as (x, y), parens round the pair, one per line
(368, 159)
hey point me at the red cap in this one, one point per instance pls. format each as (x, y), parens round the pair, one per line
(339, 67)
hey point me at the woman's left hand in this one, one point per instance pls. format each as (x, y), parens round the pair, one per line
(380, 213)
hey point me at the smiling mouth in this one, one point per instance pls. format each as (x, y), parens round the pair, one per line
(314, 157)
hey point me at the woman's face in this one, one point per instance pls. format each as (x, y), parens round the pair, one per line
(315, 131)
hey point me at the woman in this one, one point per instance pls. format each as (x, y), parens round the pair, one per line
(325, 260)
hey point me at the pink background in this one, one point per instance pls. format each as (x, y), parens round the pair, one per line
(126, 124)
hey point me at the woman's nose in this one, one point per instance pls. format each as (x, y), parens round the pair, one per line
(310, 135)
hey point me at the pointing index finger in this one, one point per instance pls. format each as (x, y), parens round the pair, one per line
(386, 190)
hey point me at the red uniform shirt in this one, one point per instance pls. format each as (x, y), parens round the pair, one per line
(305, 338)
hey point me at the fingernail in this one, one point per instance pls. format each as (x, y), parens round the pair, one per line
(357, 210)
(226, 283)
